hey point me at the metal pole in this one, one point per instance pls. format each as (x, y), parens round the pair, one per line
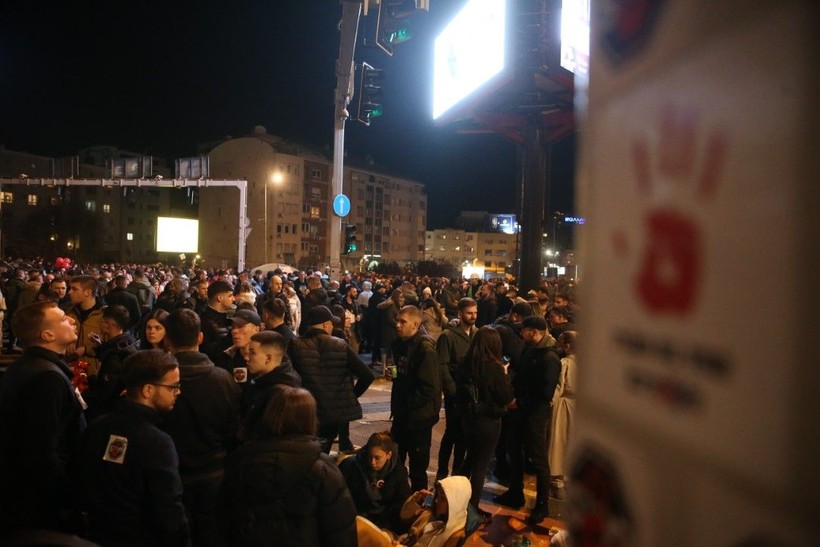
(345, 75)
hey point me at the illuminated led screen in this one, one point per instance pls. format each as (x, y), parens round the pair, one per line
(468, 53)
(575, 36)
(177, 235)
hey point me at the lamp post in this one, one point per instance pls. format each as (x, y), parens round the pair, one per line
(276, 178)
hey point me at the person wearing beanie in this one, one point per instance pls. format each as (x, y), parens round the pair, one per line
(529, 419)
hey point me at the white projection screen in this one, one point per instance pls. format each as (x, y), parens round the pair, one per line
(177, 235)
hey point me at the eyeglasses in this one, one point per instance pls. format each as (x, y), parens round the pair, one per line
(175, 388)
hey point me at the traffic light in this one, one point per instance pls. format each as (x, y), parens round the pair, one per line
(392, 24)
(370, 92)
(350, 239)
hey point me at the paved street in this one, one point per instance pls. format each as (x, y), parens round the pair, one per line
(376, 417)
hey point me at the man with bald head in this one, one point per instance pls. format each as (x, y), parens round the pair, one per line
(275, 290)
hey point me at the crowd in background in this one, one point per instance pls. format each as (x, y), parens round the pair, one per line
(243, 343)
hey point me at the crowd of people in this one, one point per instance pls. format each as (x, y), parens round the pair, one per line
(171, 405)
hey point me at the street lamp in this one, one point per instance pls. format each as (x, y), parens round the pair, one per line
(276, 177)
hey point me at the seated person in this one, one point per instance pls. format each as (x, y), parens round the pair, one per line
(439, 524)
(377, 482)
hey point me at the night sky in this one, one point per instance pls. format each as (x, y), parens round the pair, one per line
(161, 77)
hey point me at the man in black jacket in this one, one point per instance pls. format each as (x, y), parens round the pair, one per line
(326, 365)
(126, 469)
(451, 348)
(41, 420)
(204, 423)
(529, 420)
(120, 296)
(216, 326)
(415, 400)
(269, 368)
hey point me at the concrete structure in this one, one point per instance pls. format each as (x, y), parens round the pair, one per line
(494, 251)
(87, 223)
(290, 207)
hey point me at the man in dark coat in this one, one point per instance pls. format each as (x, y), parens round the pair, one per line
(269, 368)
(116, 345)
(415, 400)
(203, 424)
(529, 420)
(451, 348)
(126, 469)
(122, 297)
(326, 365)
(41, 420)
(216, 325)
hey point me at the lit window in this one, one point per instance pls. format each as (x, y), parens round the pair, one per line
(91, 206)
(106, 208)
(8, 197)
(129, 236)
(314, 212)
(32, 199)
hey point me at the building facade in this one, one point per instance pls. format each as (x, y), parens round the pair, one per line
(93, 223)
(496, 252)
(290, 208)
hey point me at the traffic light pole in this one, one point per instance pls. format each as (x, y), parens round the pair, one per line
(345, 74)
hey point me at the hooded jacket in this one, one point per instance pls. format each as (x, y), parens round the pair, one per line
(285, 483)
(379, 496)
(426, 530)
(205, 419)
(451, 348)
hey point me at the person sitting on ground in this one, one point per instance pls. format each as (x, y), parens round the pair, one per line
(441, 523)
(378, 483)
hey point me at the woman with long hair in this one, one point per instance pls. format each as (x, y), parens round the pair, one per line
(483, 392)
(153, 330)
(280, 488)
(378, 482)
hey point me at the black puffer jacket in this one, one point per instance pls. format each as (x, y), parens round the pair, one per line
(284, 491)
(326, 364)
(451, 348)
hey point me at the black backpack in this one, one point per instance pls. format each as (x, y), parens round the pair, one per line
(468, 400)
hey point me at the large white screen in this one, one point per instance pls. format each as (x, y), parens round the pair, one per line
(469, 52)
(177, 235)
(575, 36)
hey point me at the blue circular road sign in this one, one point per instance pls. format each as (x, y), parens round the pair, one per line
(341, 205)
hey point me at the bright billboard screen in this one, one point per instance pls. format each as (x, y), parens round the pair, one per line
(575, 36)
(468, 53)
(177, 235)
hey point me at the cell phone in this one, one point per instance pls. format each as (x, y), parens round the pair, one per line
(428, 501)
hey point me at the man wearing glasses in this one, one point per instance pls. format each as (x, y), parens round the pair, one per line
(126, 463)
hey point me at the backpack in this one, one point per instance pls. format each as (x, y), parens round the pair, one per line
(468, 399)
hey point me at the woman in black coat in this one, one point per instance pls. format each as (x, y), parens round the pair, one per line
(378, 482)
(280, 489)
(483, 392)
